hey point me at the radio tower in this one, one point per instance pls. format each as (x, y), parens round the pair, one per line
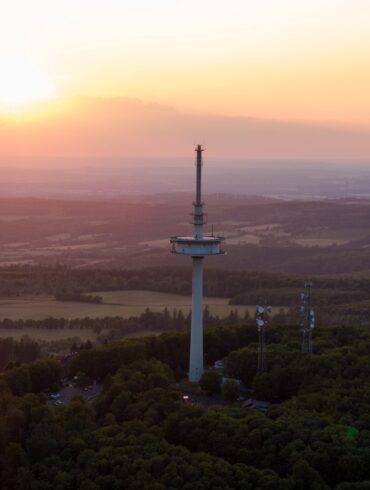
(308, 318)
(262, 313)
(197, 247)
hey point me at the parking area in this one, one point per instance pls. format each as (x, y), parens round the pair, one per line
(67, 393)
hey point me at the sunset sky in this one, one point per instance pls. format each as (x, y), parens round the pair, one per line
(285, 60)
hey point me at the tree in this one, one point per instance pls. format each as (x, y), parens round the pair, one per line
(230, 390)
(83, 380)
(210, 382)
(13, 458)
(120, 404)
(306, 478)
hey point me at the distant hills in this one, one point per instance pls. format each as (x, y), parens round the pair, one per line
(87, 127)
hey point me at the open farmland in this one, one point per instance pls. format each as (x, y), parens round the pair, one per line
(262, 234)
(117, 303)
(49, 335)
(55, 335)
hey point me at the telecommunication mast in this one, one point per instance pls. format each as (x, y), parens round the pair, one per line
(308, 318)
(262, 313)
(197, 247)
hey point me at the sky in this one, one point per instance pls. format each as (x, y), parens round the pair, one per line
(289, 61)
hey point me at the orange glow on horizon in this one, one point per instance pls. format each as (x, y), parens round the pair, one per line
(283, 60)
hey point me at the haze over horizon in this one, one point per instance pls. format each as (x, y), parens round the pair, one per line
(276, 79)
(93, 127)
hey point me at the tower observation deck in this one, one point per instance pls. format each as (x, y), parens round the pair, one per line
(197, 246)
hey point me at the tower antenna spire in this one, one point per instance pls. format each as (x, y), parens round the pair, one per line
(197, 246)
(199, 216)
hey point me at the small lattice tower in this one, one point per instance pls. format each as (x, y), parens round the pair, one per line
(262, 313)
(307, 318)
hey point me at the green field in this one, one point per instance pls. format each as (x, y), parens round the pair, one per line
(48, 335)
(53, 335)
(116, 303)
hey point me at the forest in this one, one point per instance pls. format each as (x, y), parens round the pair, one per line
(140, 432)
(24, 350)
(20, 280)
(143, 432)
(116, 328)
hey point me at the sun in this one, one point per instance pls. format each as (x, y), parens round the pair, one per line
(21, 83)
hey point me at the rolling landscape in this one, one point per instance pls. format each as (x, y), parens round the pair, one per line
(185, 245)
(311, 237)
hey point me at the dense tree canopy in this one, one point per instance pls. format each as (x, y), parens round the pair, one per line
(140, 432)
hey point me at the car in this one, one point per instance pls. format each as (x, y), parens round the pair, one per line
(54, 396)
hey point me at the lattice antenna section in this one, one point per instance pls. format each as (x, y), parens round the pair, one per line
(308, 319)
(262, 317)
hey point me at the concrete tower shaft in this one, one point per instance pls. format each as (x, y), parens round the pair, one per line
(196, 333)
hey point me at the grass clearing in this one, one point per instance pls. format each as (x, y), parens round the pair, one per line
(48, 335)
(319, 242)
(54, 335)
(115, 303)
(160, 243)
(244, 240)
